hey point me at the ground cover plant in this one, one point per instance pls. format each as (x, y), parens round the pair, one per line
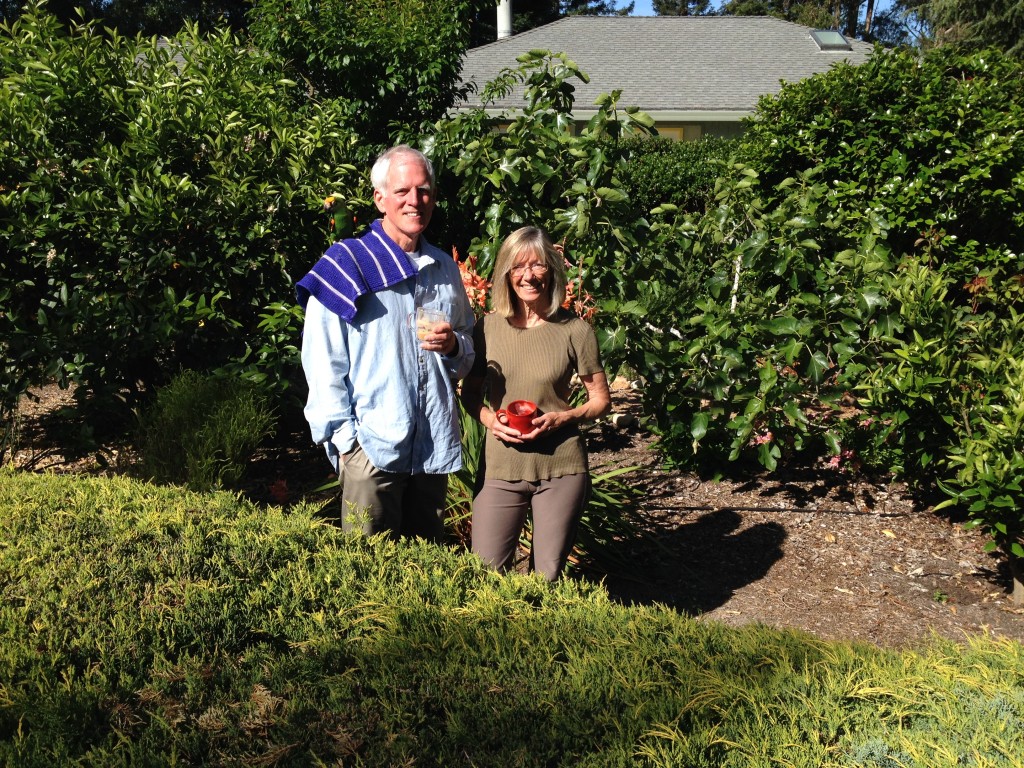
(153, 625)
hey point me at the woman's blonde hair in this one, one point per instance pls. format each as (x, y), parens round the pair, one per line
(527, 240)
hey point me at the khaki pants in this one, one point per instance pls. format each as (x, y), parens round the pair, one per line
(399, 503)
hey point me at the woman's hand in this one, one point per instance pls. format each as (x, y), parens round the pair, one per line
(505, 433)
(546, 422)
(597, 405)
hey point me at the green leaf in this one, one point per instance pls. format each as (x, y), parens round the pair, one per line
(611, 195)
(699, 425)
(782, 326)
(817, 365)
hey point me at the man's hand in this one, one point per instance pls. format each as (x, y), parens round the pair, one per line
(441, 338)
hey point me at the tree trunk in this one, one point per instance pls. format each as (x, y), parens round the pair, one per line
(852, 12)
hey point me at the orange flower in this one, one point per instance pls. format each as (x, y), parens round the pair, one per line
(578, 300)
(477, 287)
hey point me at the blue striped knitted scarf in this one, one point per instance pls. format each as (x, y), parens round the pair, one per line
(353, 267)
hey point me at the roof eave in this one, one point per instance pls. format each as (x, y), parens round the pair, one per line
(659, 116)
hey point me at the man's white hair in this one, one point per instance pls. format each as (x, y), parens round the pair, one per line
(381, 168)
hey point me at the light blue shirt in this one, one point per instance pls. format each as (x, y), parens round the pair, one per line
(370, 382)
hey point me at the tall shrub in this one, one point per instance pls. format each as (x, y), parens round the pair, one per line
(387, 64)
(878, 211)
(157, 203)
(862, 284)
(532, 167)
(680, 173)
(933, 145)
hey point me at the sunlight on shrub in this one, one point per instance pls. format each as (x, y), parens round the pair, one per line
(202, 430)
(141, 622)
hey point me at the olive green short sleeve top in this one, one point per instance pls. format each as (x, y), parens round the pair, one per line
(534, 364)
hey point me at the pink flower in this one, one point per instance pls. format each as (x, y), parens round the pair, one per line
(846, 459)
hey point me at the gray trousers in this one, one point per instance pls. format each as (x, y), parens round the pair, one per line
(402, 504)
(499, 514)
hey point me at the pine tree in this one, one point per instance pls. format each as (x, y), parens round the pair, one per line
(682, 7)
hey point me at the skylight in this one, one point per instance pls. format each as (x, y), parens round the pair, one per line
(830, 40)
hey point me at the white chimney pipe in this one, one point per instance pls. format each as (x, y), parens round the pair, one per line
(504, 19)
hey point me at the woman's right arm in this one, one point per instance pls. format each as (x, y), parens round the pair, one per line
(472, 393)
(472, 396)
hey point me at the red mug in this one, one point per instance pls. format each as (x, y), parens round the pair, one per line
(519, 415)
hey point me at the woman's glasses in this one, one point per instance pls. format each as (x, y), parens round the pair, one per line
(521, 269)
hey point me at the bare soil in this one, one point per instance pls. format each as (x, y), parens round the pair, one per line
(839, 556)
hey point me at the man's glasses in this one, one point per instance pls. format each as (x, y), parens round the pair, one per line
(521, 269)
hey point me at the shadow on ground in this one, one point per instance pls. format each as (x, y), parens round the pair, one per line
(698, 566)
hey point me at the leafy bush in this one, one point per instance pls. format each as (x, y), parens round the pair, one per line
(987, 460)
(536, 170)
(932, 145)
(932, 148)
(386, 66)
(156, 203)
(203, 429)
(680, 173)
(737, 366)
(149, 625)
(856, 285)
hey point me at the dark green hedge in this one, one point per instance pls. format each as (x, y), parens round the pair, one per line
(156, 205)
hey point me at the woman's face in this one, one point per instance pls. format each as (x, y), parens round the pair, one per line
(530, 278)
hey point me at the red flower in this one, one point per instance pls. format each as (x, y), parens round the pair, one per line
(279, 491)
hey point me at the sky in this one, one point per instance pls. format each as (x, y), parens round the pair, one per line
(646, 7)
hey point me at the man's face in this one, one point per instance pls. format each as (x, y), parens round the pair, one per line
(407, 201)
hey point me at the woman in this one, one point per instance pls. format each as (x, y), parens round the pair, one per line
(528, 349)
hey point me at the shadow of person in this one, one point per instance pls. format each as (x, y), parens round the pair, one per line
(699, 565)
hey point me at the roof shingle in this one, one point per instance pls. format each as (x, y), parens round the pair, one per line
(669, 63)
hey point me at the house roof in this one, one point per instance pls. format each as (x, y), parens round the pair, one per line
(673, 67)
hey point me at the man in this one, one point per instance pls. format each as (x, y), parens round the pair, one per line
(382, 401)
